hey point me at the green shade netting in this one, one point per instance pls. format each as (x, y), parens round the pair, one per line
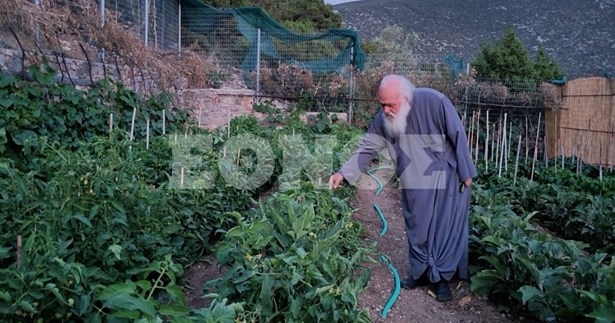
(204, 19)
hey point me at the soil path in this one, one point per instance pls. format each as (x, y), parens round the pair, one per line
(415, 305)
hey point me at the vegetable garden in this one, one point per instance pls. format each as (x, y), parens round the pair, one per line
(98, 219)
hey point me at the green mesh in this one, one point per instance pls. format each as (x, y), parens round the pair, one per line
(277, 44)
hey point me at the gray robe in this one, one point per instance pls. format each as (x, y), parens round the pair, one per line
(432, 158)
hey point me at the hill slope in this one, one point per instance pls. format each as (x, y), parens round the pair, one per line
(579, 34)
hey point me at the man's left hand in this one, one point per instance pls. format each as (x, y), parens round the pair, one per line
(467, 182)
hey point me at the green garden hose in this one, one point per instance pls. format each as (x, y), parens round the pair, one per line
(380, 186)
(393, 297)
(384, 259)
(385, 225)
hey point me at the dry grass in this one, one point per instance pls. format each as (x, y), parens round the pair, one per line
(72, 28)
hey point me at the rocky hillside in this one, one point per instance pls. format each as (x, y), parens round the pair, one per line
(579, 34)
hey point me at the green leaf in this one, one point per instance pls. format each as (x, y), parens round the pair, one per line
(84, 305)
(604, 313)
(176, 293)
(22, 137)
(296, 305)
(125, 314)
(265, 295)
(481, 283)
(4, 252)
(5, 296)
(130, 303)
(54, 290)
(116, 250)
(117, 289)
(528, 292)
(26, 306)
(297, 277)
(6, 102)
(83, 220)
(174, 310)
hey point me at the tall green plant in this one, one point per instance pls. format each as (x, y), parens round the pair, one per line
(506, 59)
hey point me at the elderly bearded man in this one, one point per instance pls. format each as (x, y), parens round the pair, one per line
(428, 145)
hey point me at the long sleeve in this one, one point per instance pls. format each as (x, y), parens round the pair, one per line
(371, 143)
(456, 133)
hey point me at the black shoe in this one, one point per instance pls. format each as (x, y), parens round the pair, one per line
(411, 283)
(443, 291)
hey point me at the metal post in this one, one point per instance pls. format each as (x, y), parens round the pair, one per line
(101, 8)
(179, 27)
(36, 30)
(258, 61)
(146, 36)
(351, 88)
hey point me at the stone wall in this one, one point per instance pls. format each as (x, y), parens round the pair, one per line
(214, 108)
(210, 107)
(78, 72)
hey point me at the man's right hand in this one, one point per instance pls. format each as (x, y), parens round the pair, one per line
(335, 180)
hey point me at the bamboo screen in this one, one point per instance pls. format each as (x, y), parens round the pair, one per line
(584, 125)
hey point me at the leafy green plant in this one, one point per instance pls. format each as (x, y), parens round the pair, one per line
(288, 260)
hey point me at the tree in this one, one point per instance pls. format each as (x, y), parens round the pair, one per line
(546, 68)
(293, 14)
(505, 59)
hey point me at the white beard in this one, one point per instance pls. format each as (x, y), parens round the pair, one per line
(396, 125)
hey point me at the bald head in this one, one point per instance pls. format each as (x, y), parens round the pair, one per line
(397, 85)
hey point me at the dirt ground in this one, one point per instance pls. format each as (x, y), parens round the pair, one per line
(416, 305)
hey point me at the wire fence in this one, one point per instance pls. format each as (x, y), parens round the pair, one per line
(228, 41)
(156, 21)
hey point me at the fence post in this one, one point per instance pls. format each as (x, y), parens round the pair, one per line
(351, 88)
(179, 27)
(146, 31)
(36, 31)
(258, 62)
(101, 8)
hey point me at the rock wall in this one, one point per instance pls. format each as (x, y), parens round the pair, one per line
(214, 108)
(210, 107)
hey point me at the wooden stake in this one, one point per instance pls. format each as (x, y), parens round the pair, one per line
(477, 137)
(536, 147)
(147, 134)
(509, 143)
(600, 161)
(563, 155)
(110, 123)
(19, 251)
(181, 176)
(200, 114)
(503, 142)
(517, 160)
(527, 138)
(497, 145)
(493, 155)
(164, 122)
(471, 131)
(132, 126)
(487, 142)
(611, 161)
(228, 123)
(238, 156)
